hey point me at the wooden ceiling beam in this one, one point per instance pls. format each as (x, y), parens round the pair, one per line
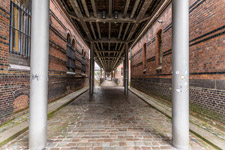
(99, 31)
(126, 8)
(102, 46)
(110, 8)
(94, 8)
(103, 66)
(118, 58)
(85, 8)
(112, 51)
(109, 30)
(80, 16)
(139, 17)
(125, 32)
(93, 31)
(134, 8)
(121, 27)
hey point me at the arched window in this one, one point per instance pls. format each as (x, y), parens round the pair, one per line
(70, 53)
(159, 50)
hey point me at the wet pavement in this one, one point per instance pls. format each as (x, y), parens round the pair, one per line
(109, 120)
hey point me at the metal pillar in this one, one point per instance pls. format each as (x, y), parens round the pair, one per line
(101, 73)
(180, 74)
(130, 66)
(39, 74)
(105, 75)
(111, 75)
(126, 65)
(91, 78)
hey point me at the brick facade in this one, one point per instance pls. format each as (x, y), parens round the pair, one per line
(207, 57)
(15, 84)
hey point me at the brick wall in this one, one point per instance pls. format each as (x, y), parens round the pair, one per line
(15, 85)
(207, 56)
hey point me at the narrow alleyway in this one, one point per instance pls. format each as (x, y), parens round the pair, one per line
(108, 83)
(108, 120)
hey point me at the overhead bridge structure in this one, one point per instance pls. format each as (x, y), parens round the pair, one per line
(110, 28)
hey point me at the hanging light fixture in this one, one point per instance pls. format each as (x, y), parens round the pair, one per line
(116, 14)
(103, 15)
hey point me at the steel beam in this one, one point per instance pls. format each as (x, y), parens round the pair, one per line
(106, 40)
(39, 74)
(180, 82)
(108, 19)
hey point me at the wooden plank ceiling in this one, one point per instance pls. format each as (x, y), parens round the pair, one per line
(110, 24)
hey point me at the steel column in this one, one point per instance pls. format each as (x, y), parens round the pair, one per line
(180, 74)
(111, 75)
(91, 78)
(126, 64)
(39, 74)
(104, 74)
(130, 65)
(100, 72)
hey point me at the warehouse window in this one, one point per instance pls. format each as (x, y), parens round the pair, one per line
(70, 53)
(20, 32)
(83, 69)
(144, 58)
(159, 50)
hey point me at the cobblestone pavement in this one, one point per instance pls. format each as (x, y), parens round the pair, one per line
(108, 83)
(109, 120)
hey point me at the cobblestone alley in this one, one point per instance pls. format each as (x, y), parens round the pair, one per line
(108, 120)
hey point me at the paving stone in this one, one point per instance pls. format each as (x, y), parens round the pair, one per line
(108, 121)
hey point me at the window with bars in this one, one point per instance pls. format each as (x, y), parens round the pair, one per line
(83, 69)
(20, 31)
(144, 58)
(70, 53)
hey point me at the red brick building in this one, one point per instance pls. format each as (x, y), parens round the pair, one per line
(68, 56)
(151, 65)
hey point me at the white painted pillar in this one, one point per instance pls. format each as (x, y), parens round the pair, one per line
(180, 74)
(39, 74)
